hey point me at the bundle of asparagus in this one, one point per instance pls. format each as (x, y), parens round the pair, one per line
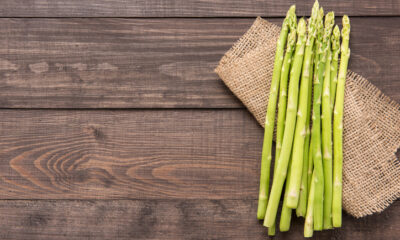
(307, 76)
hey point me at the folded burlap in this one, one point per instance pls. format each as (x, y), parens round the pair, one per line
(371, 171)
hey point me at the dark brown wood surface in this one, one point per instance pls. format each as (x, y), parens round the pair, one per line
(114, 126)
(147, 63)
(189, 8)
(141, 154)
(168, 220)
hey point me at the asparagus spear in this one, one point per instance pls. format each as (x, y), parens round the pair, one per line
(286, 213)
(316, 128)
(290, 122)
(335, 63)
(283, 100)
(272, 230)
(300, 133)
(310, 159)
(302, 206)
(270, 117)
(310, 152)
(338, 126)
(327, 124)
(280, 126)
(308, 224)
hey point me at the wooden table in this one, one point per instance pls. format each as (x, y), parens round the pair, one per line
(114, 126)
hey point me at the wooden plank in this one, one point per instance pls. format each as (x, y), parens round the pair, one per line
(189, 8)
(140, 154)
(147, 63)
(166, 219)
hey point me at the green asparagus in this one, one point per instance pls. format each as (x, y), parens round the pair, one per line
(308, 224)
(310, 152)
(270, 117)
(327, 124)
(290, 123)
(291, 42)
(338, 126)
(316, 128)
(280, 126)
(302, 206)
(286, 213)
(300, 132)
(335, 63)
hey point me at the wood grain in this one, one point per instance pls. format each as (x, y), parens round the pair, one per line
(142, 154)
(168, 219)
(151, 63)
(189, 8)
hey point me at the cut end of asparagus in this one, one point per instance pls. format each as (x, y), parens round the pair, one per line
(262, 205)
(267, 223)
(308, 228)
(271, 231)
(337, 222)
(292, 200)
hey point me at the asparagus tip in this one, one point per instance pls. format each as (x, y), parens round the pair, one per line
(315, 8)
(321, 12)
(292, 8)
(346, 27)
(301, 28)
(336, 32)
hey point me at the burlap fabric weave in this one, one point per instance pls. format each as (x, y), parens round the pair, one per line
(371, 171)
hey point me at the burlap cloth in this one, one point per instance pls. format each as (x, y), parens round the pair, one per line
(371, 171)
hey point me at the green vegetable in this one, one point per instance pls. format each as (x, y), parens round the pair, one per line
(338, 126)
(270, 117)
(286, 213)
(308, 224)
(290, 122)
(280, 126)
(301, 128)
(335, 62)
(283, 100)
(316, 128)
(302, 206)
(327, 124)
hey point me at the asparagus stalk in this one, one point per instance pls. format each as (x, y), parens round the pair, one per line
(308, 224)
(283, 100)
(272, 230)
(270, 117)
(327, 124)
(335, 62)
(302, 206)
(310, 159)
(310, 152)
(338, 126)
(316, 128)
(280, 126)
(286, 213)
(300, 132)
(290, 123)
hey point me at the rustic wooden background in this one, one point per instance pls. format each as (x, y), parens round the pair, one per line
(114, 126)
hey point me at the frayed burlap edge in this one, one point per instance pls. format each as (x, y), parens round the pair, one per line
(371, 171)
